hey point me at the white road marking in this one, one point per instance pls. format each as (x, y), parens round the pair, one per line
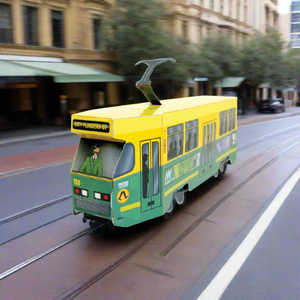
(219, 284)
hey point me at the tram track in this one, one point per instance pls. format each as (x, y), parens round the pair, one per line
(261, 154)
(115, 263)
(29, 214)
(112, 265)
(203, 217)
(265, 137)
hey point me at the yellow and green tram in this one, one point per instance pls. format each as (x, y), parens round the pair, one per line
(135, 162)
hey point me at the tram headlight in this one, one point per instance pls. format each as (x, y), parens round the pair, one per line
(97, 196)
(84, 193)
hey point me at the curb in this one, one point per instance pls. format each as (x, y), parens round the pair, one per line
(248, 122)
(35, 137)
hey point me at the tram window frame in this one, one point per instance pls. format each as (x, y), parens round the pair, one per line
(191, 128)
(175, 135)
(223, 122)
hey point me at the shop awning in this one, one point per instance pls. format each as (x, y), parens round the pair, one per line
(11, 69)
(61, 71)
(229, 82)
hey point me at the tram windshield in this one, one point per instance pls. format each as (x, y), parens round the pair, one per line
(103, 159)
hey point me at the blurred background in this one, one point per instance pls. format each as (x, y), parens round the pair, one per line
(62, 57)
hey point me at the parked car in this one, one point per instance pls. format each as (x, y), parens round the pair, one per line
(298, 103)
(271, 105)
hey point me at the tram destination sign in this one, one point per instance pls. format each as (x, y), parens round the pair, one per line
(91, 126)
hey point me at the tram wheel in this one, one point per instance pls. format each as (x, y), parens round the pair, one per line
(181, 197)
(221, 173)
(168, 213)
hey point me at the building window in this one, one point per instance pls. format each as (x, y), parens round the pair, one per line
(199, 33)
(238, 6)
(229, 8)
(30, 19)
(57, 28)
(245, 13)
(185, 29)
(221, 6)
(295, 17)
(212, 4)
(5, 24)
(97, 32)
(295, 6)
(295, 28)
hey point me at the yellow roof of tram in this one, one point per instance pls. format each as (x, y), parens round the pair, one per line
(147, 109)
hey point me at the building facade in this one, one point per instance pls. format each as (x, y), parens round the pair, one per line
(194, 20)
(295, 24)
(60, 29)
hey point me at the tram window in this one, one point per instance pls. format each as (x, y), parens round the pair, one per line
(97, 158)
(207, 142)
(155, 159)
(203, 147)
(214, 147)
(231, 117)
(175, 129)
(175, 141)
(126, 162)
(145, 170)
(223, 122)
(175, 146)
(191, 135)
(210, 142)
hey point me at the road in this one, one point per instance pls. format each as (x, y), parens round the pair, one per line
(185, 254)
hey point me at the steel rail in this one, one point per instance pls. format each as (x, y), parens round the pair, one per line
(264, 137)
(200, 219)
(34, 209)
(261, 154)
(41, 255)
(79, 288)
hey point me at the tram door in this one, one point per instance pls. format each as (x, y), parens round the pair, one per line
(209, 147)
(150, 174)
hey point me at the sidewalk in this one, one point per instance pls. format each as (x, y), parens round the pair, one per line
(35, 133)
(31, 133)
(255, 117)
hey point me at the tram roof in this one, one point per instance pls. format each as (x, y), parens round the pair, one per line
(147, 109)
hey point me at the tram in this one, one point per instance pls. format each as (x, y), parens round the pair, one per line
(136, 162)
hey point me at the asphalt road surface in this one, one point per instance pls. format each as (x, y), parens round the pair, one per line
(270, 272)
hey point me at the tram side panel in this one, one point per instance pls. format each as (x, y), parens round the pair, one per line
(137, 196)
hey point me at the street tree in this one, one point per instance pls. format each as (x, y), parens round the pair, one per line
(292, 67)
(262, 59)
(218, 57)
(135, 31)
